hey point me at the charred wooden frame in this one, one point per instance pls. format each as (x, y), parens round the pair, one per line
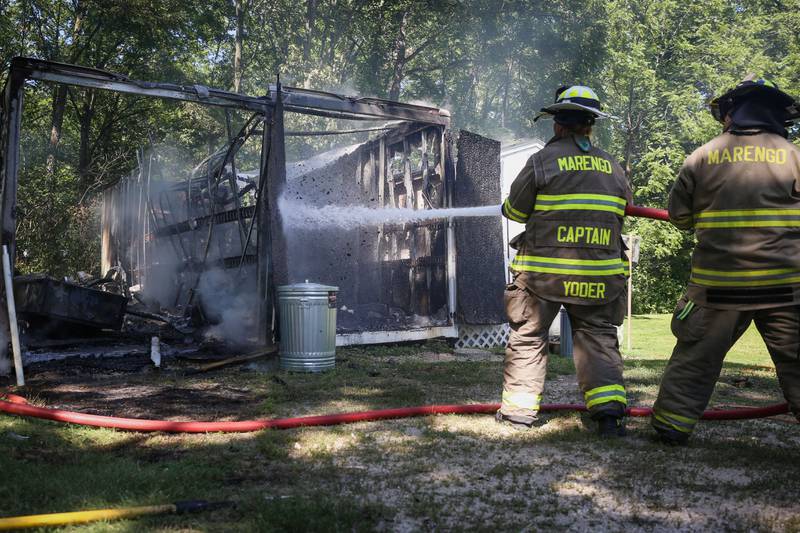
(395, 278)
(272, 268)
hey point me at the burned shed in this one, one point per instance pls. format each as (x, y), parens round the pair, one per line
(220, 237)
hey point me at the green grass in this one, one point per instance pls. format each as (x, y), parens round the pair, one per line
(432, 473)
(652, 346)
(652, 339)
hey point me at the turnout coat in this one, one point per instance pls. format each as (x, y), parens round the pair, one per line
(740, 192)
(571, 196)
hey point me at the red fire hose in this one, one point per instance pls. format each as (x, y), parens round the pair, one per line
(17, 405)
(647, 212)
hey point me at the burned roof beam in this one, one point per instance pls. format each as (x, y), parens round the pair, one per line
(295, 99)
(306, 101)
(333, 114)
(37, 69)
(323, 133)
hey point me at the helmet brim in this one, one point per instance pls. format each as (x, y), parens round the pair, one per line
(571, 106)
(782, 99)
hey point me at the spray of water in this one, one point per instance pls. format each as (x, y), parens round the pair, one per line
(297, 213)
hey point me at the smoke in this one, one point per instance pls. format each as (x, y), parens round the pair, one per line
(311, 164)
(230, 302)
(298, 214)
(347, 88)
(164, 268)
(137, 211)
(162, 208)
(424, 103)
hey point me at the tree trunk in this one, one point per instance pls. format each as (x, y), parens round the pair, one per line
(472, 93)
(506, 86)
(238, 66)
(488, 101)
(629, 134)
(57, 121)
(333, 39)
(60, 100)
(84, 150)
(399, 57)
(311, 16)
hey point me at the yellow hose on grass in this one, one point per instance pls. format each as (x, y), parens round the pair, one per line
(83, 517)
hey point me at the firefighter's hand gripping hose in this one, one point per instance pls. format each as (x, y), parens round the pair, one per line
(96, 515)
(17, 405)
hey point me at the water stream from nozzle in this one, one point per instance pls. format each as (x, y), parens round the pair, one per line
(297, 213)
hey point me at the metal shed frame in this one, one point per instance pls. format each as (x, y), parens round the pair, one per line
(271, 270)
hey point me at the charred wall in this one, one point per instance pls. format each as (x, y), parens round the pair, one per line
(391, 277)
(479, 241)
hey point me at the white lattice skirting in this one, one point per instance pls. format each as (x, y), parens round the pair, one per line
(482, 335)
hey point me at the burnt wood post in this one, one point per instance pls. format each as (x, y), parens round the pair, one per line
(9, 136)
(478, 183)
(449, 169)
(263, 265)
(272, 268)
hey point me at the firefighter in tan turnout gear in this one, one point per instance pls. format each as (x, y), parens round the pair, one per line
(571, 196)
(741, 194)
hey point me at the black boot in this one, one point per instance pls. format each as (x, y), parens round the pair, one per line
(610, 427)
(670, 437)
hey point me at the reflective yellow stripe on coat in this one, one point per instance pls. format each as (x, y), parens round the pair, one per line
(744, 278)
(581, 202)
(748, 218)
(574, 267)
(514, 214)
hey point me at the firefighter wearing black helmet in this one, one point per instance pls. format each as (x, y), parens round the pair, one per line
(740, 193)
(571, 196)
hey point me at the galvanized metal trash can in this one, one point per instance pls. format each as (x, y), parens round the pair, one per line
(308, 326)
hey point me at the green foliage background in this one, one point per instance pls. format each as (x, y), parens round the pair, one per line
(492, 63)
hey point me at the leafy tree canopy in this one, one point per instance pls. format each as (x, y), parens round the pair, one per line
(492, 63)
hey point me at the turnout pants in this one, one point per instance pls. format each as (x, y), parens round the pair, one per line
(704, 337)
(596, 353)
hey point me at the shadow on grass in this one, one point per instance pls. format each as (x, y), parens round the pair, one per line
(738, 384)
(452, 472)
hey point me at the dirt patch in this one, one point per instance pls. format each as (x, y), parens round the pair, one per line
(133, 387)
(461, 354)
(432, 473)
(446, 472)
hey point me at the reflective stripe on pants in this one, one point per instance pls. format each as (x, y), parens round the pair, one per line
(598, 363)
(521, 400)
(665, 419)
(606, 393)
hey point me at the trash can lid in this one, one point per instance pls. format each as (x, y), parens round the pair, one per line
(307, 287)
